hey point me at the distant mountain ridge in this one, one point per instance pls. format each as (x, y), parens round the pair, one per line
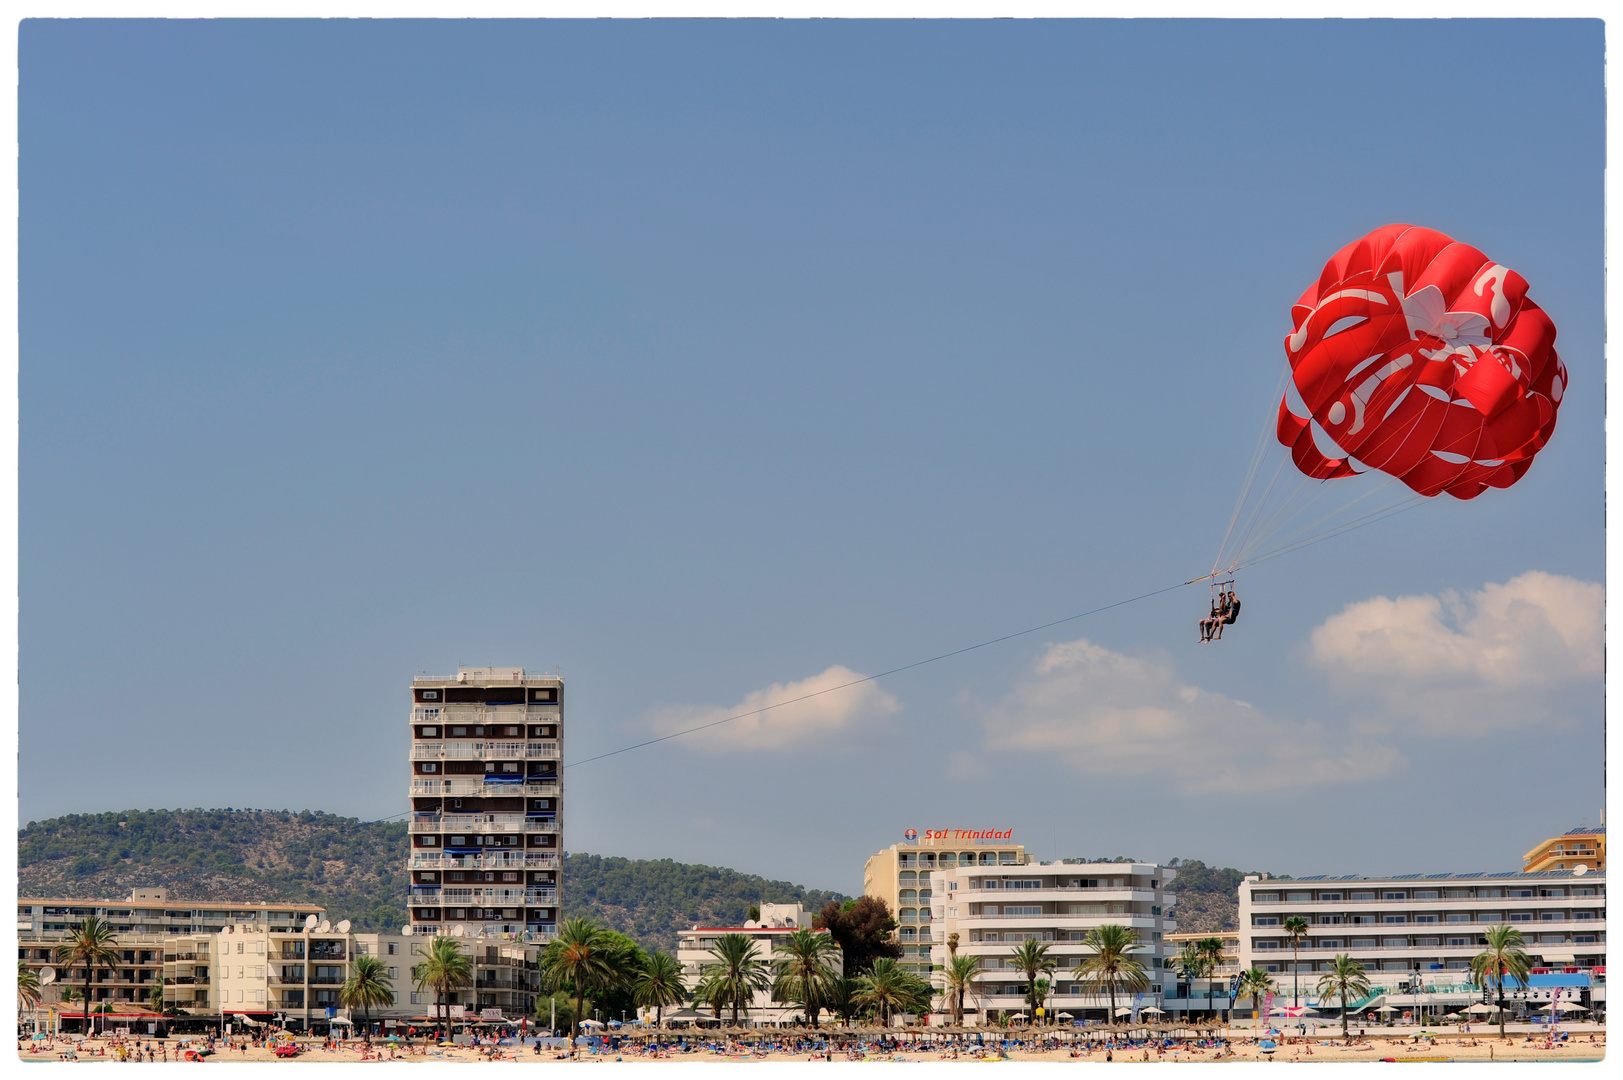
(356, 869)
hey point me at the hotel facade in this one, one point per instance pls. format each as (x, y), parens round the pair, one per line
(771, 929)
(1424, 928)
(903, 876)
(486, 799)
(993, 909)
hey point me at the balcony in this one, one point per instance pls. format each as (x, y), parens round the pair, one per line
(482, 823)
(461, 786)
(508, 861)
(544, 750)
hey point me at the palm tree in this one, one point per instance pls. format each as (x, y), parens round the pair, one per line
(804, 967)
(444, 970)
(882, 989)
(583, 958)
(1031, 959)
(738, 972)
(366, 986)
(1113, 966)
(1503, 956)
(90, 943)
(1296, 929)
(1254, 984)
(961, 972)
(1212, 949)
(155, 995)
(1345, 979)
(1192, 963)
(27, 986)
(659, 983)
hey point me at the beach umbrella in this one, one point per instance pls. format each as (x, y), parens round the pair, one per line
(1571, 1006)
(1482, 1008)
(1065, 1016)
(1386, 1009)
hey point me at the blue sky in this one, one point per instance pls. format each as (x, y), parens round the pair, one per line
(701, 358)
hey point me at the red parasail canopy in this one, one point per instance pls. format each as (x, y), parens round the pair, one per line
(1423, 358)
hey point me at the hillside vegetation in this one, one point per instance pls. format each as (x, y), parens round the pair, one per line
(356, 869)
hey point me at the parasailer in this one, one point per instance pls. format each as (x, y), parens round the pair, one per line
(1413, 357)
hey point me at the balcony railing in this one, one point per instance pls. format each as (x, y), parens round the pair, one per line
(484, 862)
(488, 823)
(542, 750)
(459, 786)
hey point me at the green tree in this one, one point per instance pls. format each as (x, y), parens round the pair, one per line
(961, 973)
(155, 995)
(1112, 967)
(803, 967)
(1345, 979)
(555, 1008)
(887, 989)
(91, 944)
(1296, 929)
(1031, 959)
(585, 959)
(1212, 949)
(864, 931)
(1193, 962)
(367, 986)
(27, 986)
(658, 983)
(1255, 984)
(444, 969)
(738, 972)
(1503, 956)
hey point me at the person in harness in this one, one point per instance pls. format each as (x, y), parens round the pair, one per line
(1225, 610)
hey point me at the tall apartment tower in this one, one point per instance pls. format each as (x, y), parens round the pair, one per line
(486, 834)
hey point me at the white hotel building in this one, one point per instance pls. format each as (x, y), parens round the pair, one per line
(994, 909)
(1429, 924)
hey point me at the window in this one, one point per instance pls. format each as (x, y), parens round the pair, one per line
(1551, 916)
(1394, 919)
(1362, 897)
(1264, 944)
(1031, 909)
(1584, 939)
(1330, 896)
(1392, 896)
(428, 766)
(1459, 916)
(1330, 943)
(1425, 918)
(1523, 893)
(1458, 942)
(1425, 894)
(1426, 942)
(1458, 894)
(1583, 914)
(1265, 898)
(1490, 916)
(416, 998)
(1521, 916)
(1394, 943)
(1298, 897)
(394, 973)
(1485, 893)
(1363, 943)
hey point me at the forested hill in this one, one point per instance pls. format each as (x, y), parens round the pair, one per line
(355, 868)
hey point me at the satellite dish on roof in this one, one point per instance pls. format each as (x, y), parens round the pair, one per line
(1581, 869)
(324, 927)
(231, 929)
(310, 922)
(343, 927)
(405, 931)
(459, 930)
(47, 976)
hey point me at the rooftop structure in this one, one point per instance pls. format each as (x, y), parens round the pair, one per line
(1582, 846)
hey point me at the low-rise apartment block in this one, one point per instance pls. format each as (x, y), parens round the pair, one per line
(771, 929)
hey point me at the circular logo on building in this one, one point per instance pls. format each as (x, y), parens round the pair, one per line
(910, 835)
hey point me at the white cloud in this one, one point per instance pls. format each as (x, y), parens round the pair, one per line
(1109, 714)
(1499, 657)
(817, 707)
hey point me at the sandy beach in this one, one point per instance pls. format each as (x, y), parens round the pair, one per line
(1583, 1046)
